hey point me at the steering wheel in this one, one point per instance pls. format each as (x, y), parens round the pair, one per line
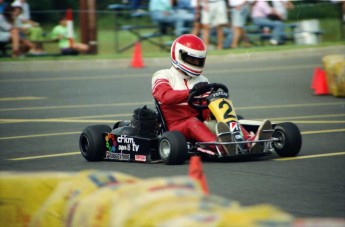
(212, 88)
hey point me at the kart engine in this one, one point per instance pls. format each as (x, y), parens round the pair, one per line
(145, 122)
(124, 130)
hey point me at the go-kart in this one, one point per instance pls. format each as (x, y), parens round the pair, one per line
(146, 137)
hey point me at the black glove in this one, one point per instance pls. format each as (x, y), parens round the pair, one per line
(198, 86)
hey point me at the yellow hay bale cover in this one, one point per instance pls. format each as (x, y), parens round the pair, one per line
(21, 194)
(116, 202)
(69, 193)
(334, 67)
(99, 198)
(173, 204)
(260, 215)
(339, 86)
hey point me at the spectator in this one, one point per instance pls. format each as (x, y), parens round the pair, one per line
(10, 33)
(197, 27)
(214, 14)
(196, 4)
(163, 14)
(282, 7)
(240, 10)
(260, 17)
(28, 28)
(59, 33)
(137, 7)
(26, 15)
(186, 12)
(227, 33)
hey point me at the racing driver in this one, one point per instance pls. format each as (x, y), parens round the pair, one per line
(171, 88)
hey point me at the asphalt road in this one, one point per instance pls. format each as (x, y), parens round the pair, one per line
(46, 104)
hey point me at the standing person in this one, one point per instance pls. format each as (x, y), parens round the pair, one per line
(59, 33)
(196, 4)
(261, 11)
(171, 88)
(214, 13)
(240, 10)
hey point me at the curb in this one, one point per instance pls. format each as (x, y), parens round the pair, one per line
(53, 65)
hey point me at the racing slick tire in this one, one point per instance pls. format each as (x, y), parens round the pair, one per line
(91, 142)
(172, 148)
(290, 139)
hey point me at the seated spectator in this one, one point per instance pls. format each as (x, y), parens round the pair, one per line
(186, 12)
(60, 34)
(163, 14)
(263, 16)
(11, 34)
(282, 8)
(28, 28)
(136, 6)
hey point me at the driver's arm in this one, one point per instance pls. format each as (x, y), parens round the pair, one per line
(164, 93)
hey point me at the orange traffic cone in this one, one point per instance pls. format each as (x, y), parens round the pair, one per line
(314, 80)
(321, 86)
(137, 61)
(196, 172)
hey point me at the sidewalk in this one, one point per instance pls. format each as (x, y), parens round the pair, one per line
(61, 64)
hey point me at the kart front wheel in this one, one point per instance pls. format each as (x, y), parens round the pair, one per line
(290, 139)
(173, 148)
(91, 142)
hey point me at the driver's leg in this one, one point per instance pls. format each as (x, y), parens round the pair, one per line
(194, 129)
(211, 125)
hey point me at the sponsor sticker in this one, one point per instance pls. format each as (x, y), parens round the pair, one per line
(140, 158)
(127, 144)
(117, 156)
(234, 126)
(120, 143)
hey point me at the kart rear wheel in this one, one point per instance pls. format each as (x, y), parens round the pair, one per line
(91, 142)
(173, 148)
(290, 139)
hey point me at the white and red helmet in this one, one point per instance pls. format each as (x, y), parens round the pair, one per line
(188, 53)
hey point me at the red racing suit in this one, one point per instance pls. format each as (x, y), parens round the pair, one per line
(171, 89)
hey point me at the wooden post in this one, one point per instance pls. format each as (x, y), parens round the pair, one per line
(88, 28)
(92, 26)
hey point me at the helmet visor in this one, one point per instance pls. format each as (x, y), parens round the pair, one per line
(191, 60)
